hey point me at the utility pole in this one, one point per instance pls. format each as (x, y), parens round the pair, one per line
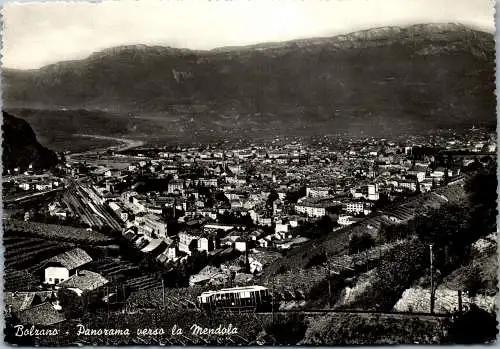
(329, 286)
(107, 296)
(163, 292)
(432, 278)
(272, 302)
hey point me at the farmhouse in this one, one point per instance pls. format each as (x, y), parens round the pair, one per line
(62, 266)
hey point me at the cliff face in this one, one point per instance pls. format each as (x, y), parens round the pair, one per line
(373, 82)
(21, 148)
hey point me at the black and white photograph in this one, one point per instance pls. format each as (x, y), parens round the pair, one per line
(249, 172)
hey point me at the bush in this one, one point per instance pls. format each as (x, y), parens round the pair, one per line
(288, 331)
(317, 259)
(362, 242)
(474, 327)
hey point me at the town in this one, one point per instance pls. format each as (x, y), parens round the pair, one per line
(210, 216)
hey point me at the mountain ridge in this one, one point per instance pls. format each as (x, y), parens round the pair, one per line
(414, 77)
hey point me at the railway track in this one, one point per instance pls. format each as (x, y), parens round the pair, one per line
(367, 312)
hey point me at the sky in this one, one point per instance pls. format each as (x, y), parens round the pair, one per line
(37, 34)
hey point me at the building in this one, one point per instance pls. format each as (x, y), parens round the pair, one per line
(118, 211)
(175, 187)
(281, 228)
(317, 192)
(373, 194)
(64, 265)
(310, 210)
(82, 281)
(154, 224)
(188, 241)
(357, 207)
(346, 220)
(408, 185)
(45, 314)
(240, 245)
(208, 243)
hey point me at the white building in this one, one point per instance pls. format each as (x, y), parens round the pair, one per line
(310, 210)
(373, 194)
(64, 265)
(345, 220)
(281, 228)
(317, 192)
(240, 245)
(357, 207)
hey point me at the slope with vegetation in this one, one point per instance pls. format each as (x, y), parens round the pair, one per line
(20, 147)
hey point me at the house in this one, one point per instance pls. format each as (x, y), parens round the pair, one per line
(83, 280)
(45, 314)
(240, 245)
(263, 243)
(154, 246)
(346, 220)
(255, 265)
(207, 243)
(438, 173)
(311, 210)
(16, 302)
(408, 185)
(357, 207)
(317, 192)
(154, 225)
(427, 185)
(208, 274)
(254, 235)
(64, 265)
(175, 187)
(283, 245)
(172, 252)
(25, 186)
(281, 228)
(188, 241)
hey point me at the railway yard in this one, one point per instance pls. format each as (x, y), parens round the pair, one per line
(80, 204)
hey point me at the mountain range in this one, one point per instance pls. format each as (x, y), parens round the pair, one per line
(374, 82)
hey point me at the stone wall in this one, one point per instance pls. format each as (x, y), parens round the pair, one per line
(446, 300)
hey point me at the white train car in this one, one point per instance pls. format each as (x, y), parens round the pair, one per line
(237, 298)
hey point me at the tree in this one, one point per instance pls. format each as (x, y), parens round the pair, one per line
(72, 305)
(447, 228)
(446, 178)
(393, 232)
(325, 225)
(483, 201)
(476, 326)
(473, 282)
(362, 242)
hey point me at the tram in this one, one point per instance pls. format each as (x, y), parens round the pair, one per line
(246, 298)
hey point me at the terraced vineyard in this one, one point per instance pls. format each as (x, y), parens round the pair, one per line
(336, 243)
(114, 269)
(297, 284)
(55, 232)
(27, 252)
(175, 298)
(15, 280)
